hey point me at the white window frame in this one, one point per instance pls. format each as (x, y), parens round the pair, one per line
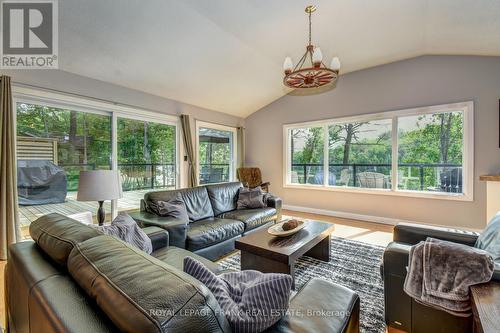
(467, 155)
(28, 95)
(234, 157)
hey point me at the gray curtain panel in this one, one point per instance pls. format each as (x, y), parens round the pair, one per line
(9, 218)
(241, 147)
(189, 149)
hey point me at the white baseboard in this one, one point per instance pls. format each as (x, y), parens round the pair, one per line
(367, 218)
(346, 215)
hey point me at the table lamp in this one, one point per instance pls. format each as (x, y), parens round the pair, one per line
(99, 185)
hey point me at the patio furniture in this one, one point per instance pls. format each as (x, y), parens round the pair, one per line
(369, 179)
(252, 177)
(345, 177)
(40, 182)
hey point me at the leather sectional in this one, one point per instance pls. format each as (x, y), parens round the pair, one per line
(214, 222)
(74, 279)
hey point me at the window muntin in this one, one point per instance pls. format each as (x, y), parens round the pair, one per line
(452, 180)
(430, 152)
(360, 154)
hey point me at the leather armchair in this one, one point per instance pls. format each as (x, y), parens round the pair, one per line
(403, 312)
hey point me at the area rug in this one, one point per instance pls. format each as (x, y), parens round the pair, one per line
(353, 264)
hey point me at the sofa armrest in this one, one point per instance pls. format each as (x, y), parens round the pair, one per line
(409, 233)
(396, 256)
(177, 229)
(158, 236)
(276, 203)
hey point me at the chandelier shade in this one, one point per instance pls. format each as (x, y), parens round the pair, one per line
(310, 71)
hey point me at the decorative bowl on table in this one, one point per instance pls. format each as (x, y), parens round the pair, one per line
(286, 228)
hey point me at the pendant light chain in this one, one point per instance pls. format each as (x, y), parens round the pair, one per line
(310, 25)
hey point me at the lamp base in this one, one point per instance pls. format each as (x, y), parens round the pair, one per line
(101, 214)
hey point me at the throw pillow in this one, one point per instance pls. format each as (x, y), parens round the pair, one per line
(252, 301)
(489, 239)
(125, 228)
(249, 198)
(174, 207)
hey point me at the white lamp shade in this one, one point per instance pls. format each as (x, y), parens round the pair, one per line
(288, 64)
(317, 55)
(99, 185)
(335, 64)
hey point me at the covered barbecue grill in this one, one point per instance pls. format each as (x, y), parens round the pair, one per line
(40, 182)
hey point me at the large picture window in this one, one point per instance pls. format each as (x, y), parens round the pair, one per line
(424, 152)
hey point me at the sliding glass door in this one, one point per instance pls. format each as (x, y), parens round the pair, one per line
(216, 153)
(147, 159)
(53, 145)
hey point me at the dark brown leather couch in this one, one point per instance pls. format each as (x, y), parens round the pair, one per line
(214, 223)
(402, 311)
(73, 279)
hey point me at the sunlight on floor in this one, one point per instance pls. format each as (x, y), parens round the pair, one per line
(372, 233)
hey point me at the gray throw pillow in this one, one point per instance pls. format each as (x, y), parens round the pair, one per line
(251, 301)
(125, 228)
(249, 198)
(174, 207)
(489, 239)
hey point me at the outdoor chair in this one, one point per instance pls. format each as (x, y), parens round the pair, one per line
(252, 177)
(371, 179)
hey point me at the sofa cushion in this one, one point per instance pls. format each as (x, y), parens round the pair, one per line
(140, 293)
(250, 198)
(124, 227)
(56, 235)
(252, 218)
(174, 207)
(174, 256)
(212, 231)
(196, 199)
(223, 196)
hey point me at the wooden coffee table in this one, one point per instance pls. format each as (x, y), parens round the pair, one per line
(269, 254)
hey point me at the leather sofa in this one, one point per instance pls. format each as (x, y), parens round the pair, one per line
(214, 223)
(74, 279)
(402, 311)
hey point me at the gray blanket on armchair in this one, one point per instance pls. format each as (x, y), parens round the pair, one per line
(440, 274)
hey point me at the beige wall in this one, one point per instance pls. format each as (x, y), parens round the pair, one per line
(422, 81)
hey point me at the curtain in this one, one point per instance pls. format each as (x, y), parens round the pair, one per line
(189, 149)
(9, 218)
(241, 147)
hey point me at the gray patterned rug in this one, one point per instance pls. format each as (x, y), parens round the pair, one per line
(353, 264)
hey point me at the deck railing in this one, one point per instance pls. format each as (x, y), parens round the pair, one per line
(140, 176)
(412, 176)
(135, 176)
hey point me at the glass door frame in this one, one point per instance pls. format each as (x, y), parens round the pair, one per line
(30, 95)
(234, 148)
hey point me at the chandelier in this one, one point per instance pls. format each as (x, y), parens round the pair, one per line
(310, 71)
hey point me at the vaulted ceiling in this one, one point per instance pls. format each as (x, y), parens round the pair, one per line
(227, 55)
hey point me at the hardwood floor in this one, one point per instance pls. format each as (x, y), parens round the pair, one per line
(373, 233)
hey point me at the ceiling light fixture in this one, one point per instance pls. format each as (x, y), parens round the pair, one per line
(315, 75)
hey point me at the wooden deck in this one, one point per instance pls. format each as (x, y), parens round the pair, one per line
(28, 214)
